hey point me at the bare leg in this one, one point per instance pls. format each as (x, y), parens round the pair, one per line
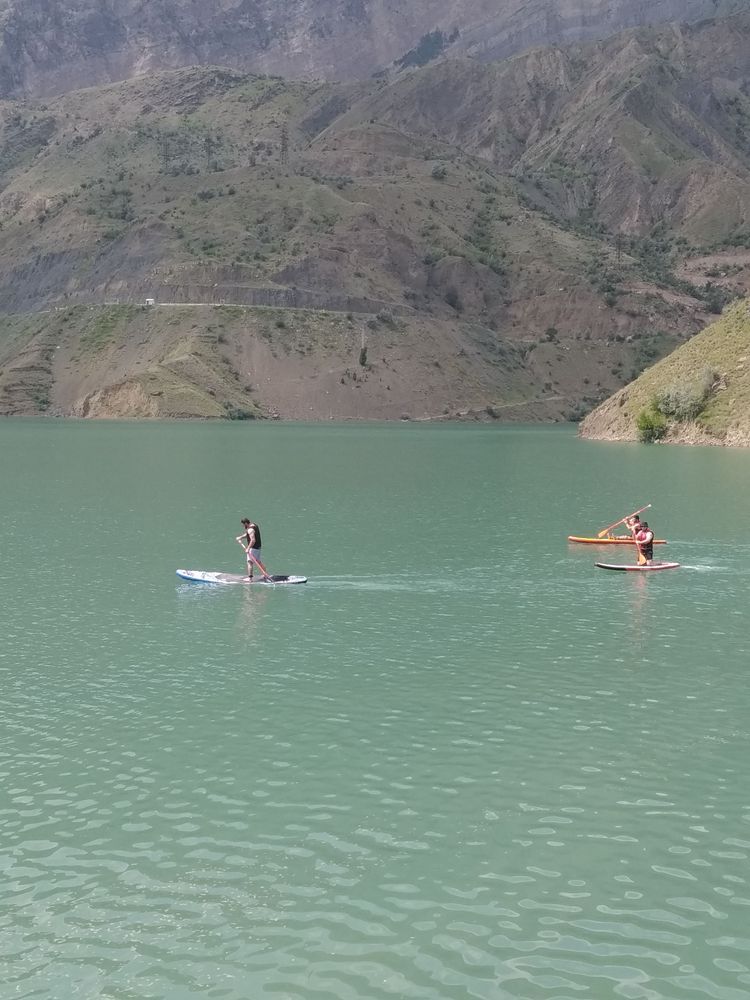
(261, 567)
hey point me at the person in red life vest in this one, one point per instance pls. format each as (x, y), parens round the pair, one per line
(251, 543)
(644, 540)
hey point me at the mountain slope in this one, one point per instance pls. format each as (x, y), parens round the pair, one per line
(51, 47)
(649, 126)
(439, 226)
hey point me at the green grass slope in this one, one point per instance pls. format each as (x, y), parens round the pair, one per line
(698, 394)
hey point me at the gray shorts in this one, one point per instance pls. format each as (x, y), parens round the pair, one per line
(255, 553)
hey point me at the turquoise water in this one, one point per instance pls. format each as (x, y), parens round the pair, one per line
(459, 762)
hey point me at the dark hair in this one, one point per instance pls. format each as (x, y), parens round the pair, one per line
(245, 520)
(644, 524)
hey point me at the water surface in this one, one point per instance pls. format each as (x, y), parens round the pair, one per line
(459, 762)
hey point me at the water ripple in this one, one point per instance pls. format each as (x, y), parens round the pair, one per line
(507, 779)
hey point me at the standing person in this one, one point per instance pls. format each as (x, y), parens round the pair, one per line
(644, 539)
(251, 543)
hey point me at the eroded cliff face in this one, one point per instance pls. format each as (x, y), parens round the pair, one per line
(50, 47)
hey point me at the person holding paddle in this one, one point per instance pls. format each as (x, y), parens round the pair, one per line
(251, 543)
(643, 537)
(623, 520)
(633, 523)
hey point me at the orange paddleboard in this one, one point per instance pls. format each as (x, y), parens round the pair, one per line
(611, 540)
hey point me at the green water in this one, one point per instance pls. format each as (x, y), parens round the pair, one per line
(459, 762)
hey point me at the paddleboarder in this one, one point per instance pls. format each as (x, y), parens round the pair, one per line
(251, 542)
(643, 537)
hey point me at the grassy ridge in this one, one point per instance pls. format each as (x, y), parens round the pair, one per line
(709, 377)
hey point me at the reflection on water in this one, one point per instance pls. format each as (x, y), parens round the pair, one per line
(639, 595)
(253, 605)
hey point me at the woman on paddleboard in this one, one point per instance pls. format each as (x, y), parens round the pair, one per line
(251, 543)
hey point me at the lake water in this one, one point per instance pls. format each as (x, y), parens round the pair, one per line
(461, 762)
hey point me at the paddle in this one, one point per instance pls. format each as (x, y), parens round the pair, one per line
(259, 564)
(642, 560)
(606, 531)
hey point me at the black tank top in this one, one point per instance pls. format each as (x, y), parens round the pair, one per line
(256, 529)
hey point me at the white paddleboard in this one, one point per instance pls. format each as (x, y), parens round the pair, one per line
(203, 576)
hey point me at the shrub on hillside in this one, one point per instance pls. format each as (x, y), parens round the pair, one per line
(239, 413)
(651, 424)
(386, 318)
(433, 255)
(686, 400)
(716, 297)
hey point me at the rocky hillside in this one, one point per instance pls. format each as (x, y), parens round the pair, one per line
(49, 47)
(517, 238)
(700, 394)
